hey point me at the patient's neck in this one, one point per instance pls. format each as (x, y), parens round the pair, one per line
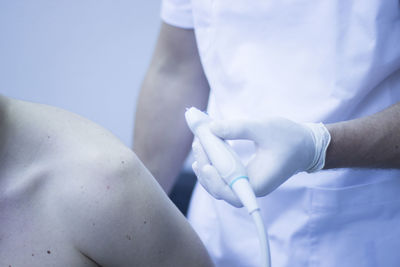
(3, 120)
(3, 132)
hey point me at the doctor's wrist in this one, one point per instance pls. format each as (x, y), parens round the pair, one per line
(322, 138)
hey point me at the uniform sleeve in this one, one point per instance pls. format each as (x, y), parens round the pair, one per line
(177, 13)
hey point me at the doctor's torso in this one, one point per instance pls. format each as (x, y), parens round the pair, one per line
(305, 60)
(310, 61)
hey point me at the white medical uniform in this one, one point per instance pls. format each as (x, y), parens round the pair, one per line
(310, 61)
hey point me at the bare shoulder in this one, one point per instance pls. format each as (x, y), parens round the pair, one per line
(119, 216)
(108, 204)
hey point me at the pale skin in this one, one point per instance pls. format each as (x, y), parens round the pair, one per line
(176, 76)
(72, 195)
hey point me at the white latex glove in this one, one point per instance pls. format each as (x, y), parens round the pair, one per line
(209, 178)
(283, 148)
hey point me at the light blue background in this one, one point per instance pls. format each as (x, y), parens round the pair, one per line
(86, 56)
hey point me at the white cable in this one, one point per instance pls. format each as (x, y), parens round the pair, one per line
(245, 193)
(262, 237)
(232, 170)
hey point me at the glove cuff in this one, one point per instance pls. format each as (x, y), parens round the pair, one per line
(322, 139)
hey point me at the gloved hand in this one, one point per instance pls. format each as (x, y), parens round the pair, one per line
(283, 148)
(209, 178)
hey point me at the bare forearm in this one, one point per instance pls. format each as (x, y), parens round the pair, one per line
(162, 140)
(173, 83)
(369, 142)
